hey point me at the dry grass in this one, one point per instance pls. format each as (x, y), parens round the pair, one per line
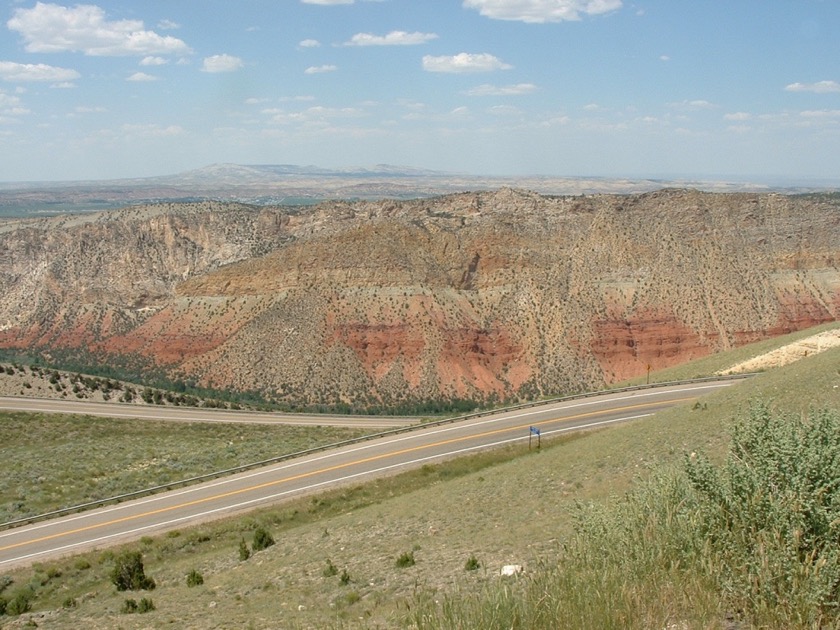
(503, 508)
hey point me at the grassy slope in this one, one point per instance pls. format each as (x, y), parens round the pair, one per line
(54, 461)
(516, 511)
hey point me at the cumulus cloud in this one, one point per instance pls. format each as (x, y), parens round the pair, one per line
(153, 61)
(51, 28)
(309, 43)
(133, 131)
(394, 38)
(464, 62)
(695, 105)
(502, 90)
(11, 105)
(737, 116)
(168, 25)
(820, 87)
(541, 11)
(25, 72)
(320, 69)
(221, 63)
(141, 77)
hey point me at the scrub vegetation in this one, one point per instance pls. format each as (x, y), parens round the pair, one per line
(53, 461)
(722, 514)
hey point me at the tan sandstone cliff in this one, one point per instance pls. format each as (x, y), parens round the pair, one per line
(506, 294)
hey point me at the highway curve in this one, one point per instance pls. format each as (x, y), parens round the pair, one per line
(223, 497)
(195, 414)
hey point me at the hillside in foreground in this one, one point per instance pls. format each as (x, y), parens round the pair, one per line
(508, 507)
(486, 296)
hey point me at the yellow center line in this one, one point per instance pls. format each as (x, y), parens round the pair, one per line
(312, 473)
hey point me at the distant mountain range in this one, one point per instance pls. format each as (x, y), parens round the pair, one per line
(289, 184)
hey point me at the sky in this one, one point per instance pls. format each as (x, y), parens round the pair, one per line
(742, 90)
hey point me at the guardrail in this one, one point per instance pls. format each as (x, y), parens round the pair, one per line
(365, 438)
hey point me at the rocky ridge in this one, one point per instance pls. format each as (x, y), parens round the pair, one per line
(492, 295)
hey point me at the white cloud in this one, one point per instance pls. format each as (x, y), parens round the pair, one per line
(11, 71)
(695, 105)
(820, 87)
(316, 115)
(664, 58)
(221, 63)
(90, 110)
(394, 38)
(168, 25)
(737, 116)
(503, 90)
(320, 69)
(153, 61)
(11, 105)
(541, 11)
(824, 114)
(51, 28)
(131, 131)
(309, 43)
(504, 110)
(141, 77)
(464, 62)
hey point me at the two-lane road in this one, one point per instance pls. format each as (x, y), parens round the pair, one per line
(222, 497)
(195, 414)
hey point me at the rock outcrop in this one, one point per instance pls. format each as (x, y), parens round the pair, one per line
(503, 294)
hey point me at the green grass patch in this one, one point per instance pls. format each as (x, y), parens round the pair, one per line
(52, 461)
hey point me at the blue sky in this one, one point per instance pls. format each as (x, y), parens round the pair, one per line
(736, 89)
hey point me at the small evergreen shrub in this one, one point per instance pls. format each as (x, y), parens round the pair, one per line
(19, 604)
(405, 560)
(472, 564)
(330, 570)
(244, 552)
(128, 573)
(194, 578)
(145, 605)
(344, 578)
(262, 539)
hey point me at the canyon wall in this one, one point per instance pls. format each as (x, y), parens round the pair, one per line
(501, 295)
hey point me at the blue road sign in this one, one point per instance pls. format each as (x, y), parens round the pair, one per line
(535, 430)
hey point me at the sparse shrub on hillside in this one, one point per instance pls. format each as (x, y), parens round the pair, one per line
(262, 539)
(129, 574)
(472, 564)
(405, 560)
(330, 570)
(244, 552)
(131, 606)
(194, 578)
(19, 604)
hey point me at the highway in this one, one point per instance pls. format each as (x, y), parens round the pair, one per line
(350, 464)
(194, 414)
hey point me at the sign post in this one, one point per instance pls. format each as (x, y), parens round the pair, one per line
(534, 431)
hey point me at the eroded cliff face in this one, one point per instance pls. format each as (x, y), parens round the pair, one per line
(506, 294)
